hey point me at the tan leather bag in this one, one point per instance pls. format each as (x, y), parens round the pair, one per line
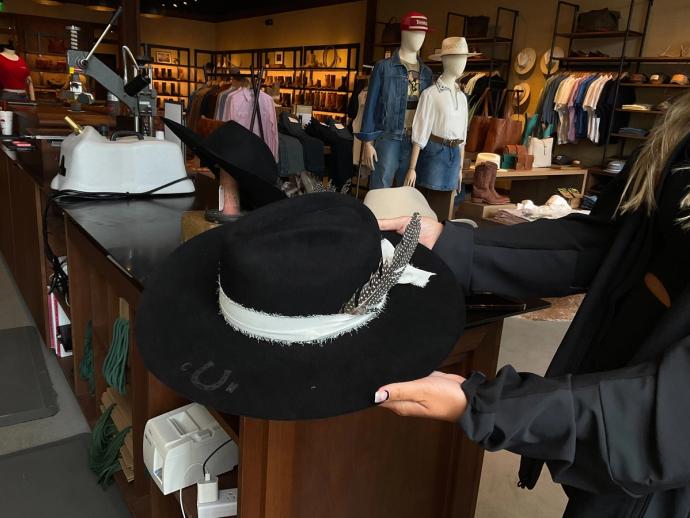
(479, 126)
(503, 131)
(524, 160)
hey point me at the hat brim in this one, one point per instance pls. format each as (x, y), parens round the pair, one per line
(437, 57)
(232, 147)
(186, 343)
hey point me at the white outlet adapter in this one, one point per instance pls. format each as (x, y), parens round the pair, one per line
(226, 505)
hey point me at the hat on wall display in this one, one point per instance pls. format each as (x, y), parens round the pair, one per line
(525, 60)
(521, 93)
(221, 323)
(558, 52)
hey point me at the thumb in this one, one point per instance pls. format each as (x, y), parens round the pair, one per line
(394, 225)
(394, 392)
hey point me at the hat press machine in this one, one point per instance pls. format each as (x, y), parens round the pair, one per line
(138, 164)
(137, 93)
(177, 443)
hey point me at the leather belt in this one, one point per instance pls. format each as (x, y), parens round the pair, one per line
(446, 142)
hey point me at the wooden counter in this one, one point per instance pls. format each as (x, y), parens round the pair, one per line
(370, 463)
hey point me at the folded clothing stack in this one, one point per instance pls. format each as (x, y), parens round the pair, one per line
(639, 107)
(589, 201)
(614, 166)
(633, 131)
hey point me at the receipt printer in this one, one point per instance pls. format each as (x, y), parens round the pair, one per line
(176, 445)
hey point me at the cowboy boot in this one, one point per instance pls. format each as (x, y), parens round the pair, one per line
(493, 171)
(481, 190)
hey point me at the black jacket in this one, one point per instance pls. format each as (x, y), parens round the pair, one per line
(618, 441)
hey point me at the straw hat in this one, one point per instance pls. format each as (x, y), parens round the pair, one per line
(524, 91)
(454, 46)
(558, 52)
(525, 60)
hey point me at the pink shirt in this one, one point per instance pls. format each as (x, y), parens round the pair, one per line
(239, 106)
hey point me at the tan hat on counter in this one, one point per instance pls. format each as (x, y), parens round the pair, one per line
(395, 202)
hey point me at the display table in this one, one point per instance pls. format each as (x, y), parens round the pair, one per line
(370, 463)
(537, 185)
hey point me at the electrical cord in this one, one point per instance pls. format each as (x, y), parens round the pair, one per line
(59, 279)
(203, 468)
(182, 506)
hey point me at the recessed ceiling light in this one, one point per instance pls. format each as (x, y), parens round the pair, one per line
(100, 5)
(48, 2)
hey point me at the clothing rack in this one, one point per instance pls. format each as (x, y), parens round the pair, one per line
(618, 63)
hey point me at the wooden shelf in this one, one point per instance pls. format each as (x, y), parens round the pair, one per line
(646, 112)
(646, 85)
(497, 39)
(44, 53)
(597, 35)
(600, 172)
(225, 481)
(626, 59)
(630, 136)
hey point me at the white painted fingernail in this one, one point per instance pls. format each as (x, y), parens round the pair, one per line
(380, 396)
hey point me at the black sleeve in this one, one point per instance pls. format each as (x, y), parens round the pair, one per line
(546, 258)
(627, 429)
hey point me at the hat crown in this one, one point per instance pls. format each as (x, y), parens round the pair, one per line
(300, 257)
(454, 45)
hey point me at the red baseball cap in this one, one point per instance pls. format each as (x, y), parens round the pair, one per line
(414, 21)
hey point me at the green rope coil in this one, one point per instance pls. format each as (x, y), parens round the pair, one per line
(105, 446)
(86, 368)
(115, 364)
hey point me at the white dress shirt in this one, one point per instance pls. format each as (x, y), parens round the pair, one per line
(442, 112)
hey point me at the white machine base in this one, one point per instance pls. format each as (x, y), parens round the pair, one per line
(226, 505)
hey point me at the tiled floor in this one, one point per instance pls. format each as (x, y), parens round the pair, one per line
(528, 346)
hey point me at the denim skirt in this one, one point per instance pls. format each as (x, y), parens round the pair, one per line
(438, 167)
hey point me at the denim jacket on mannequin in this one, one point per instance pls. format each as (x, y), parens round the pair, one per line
(384, 112)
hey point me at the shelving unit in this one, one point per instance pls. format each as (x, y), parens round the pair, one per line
(498, 48)
(170, 80)
(295, 71)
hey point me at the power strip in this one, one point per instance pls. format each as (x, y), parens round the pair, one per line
(226, 505)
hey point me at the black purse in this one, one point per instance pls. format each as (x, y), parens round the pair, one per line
(599, 20)
(391, 32)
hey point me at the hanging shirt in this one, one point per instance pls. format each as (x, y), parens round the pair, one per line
(441, 112)
(412, 92)
(13, 73)
(239, 107)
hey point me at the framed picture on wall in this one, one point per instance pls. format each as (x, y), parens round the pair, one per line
(279, 58)
(164, 57)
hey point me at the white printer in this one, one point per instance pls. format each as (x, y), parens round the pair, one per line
(177, 443)
(89, 162)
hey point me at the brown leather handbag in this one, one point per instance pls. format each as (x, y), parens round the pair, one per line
(503, 130)
(479, 125)
(524, 161)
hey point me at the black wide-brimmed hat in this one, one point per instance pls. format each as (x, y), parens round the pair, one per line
(299, 310)
(241, 153)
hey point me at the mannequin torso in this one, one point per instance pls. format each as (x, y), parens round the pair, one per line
(10, 54)
(17, 78)
(453, 67)
(410, 44)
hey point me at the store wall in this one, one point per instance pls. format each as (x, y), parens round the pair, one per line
(342, 23)
(177, 32)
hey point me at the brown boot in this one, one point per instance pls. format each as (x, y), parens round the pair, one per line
(492, 185)
(481, 190)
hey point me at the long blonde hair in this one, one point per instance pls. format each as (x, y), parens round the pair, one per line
(640, 191)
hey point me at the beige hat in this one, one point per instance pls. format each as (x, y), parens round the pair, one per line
(558, 52)
(395, 202)
(454, 46)
(524, 92)
(488, 157)
(525, 60)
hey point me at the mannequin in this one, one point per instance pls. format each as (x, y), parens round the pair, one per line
(439, 131)
(394, 90)
(14, 75)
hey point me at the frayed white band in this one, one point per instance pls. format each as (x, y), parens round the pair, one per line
(317, 328)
